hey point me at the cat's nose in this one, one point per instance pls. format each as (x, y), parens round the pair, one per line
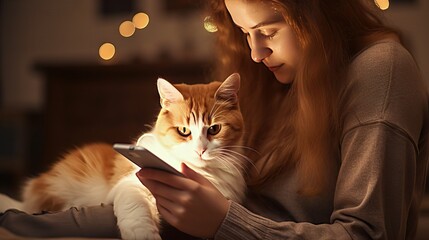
(200, 152)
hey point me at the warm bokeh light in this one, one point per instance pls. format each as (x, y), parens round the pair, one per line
(141, 20)
(127, 29)
(209, 25)
(382, 4)
(106, 51)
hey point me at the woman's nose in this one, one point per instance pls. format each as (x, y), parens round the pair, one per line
(259, 52)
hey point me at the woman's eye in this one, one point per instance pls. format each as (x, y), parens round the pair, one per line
(214, 129)
(269, 35)
(183, 131)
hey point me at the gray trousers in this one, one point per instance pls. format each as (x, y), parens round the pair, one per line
(97, 221)
(93, 222)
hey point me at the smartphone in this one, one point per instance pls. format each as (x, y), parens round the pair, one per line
(142, 157)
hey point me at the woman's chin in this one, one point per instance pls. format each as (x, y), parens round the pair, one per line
(284, 78)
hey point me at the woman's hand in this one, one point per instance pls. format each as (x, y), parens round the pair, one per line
(191, 204)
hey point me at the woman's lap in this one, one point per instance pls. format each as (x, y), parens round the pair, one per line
(96, 221)
(91, 222)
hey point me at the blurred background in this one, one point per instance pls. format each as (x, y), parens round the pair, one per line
(79, 71)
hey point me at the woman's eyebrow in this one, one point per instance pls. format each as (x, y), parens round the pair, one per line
(264, 23)
(268, 22)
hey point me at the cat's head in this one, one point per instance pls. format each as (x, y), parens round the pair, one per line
(200, 122)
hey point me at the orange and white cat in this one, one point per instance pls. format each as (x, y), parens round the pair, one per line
(200, 124)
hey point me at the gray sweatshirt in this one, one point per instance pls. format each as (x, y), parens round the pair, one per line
(384, 153)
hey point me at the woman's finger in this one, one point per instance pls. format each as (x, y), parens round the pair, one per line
(171, 206)
(191, 174)
(172, 180)
(165, 213)
(161, 189)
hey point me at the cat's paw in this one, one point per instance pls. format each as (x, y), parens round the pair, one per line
(140, 233)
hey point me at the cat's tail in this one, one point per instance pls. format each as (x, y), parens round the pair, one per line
(7, 202)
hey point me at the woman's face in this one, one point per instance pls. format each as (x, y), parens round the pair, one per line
(271, 40)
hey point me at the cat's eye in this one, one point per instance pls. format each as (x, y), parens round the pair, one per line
(183, 131)
(214, 129)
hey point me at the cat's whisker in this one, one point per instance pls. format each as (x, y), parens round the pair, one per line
(220, 160)
(243, 147)
(234, 152)
(224, 161)
(224, 151)
(226, 148)
(216, 110)
(218, 105)
(228, 157)
(220, 112)
(220, 153)
(249, 160)
(149, 126)
(210, 157)
(215, 106)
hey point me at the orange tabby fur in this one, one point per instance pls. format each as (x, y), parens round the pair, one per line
(97, 158)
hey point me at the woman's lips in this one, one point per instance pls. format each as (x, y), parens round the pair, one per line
(274, 68)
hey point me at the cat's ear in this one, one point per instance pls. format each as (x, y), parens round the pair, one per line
(228, 90)
(168, 93)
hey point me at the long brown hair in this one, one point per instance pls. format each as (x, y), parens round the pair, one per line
(297, 127)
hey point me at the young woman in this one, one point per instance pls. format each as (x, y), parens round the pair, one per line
(338, 113)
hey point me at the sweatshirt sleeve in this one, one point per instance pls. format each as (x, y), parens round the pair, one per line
(240, 223)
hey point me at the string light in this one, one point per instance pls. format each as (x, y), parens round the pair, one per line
(209, 25)
(106, 51)
(127, 29)
(382, 4)
(141, 20)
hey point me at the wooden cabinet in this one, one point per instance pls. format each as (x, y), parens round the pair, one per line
(104, 103)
